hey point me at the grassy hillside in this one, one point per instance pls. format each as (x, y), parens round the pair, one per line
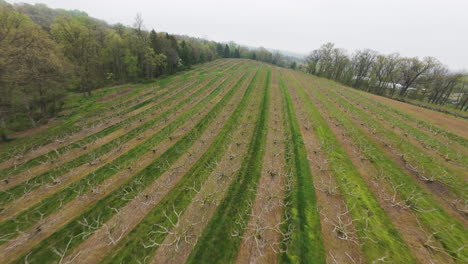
(236, 161)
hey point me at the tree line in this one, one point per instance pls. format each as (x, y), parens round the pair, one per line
(46, 53)
(391, 75)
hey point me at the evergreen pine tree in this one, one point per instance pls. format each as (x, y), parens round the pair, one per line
(227, 52)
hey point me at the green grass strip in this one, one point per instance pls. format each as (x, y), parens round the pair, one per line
(181, 195)
(448, 231)
(54, 154)
(427, 140)
(454, 137)
(48, 176)
(17, 191)
(83, 108)
(217, 244)
(378, 236)
(305, 244)
(59, 199)
(425, 164)
(73, 233)
(50, 156)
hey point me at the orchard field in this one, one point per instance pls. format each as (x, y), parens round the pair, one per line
(237, 161)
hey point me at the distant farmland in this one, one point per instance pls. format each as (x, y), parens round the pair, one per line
(237, 161)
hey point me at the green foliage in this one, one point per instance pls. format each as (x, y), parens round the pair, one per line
(389, 75)
(219, 50)
(32, 71)
(77, 36)
(236, 53)
(227, 52)
(83, 53)
(75, 51)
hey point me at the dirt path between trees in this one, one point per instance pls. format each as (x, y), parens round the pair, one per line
(455, 125)
(339, 234)
(30, 198)
(405, 221)
(203, 206)
(50, 224)
(260, 240)
(102, 241)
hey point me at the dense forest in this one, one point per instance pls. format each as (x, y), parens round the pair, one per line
(426, 80)
(47, 53)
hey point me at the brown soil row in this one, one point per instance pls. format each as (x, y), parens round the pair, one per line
(30, 198)
(445, 197)
(451, 164)
(103, 240)
(98, 123)
(203, 206)
(339, 236)
(440, 137)
(32, 131)
(41, 168)
(176, 85)
(113, 95)
(405, 221)
(444, 121)
(178, 82)
(260, 240)
(212, 66)
(48, 225)
(59, 142)
(108, 122)
(441, 189)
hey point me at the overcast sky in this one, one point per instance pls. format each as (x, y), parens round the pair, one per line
(437, 28)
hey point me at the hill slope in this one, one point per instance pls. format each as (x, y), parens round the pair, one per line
(236, 161)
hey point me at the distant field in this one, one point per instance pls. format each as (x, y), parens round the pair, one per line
(237, 161)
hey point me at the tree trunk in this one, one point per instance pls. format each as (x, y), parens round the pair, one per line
(403, 90)
(31, 118)
(3, 135)
(462, 105)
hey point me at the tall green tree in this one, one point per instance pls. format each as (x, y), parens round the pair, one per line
(219, 50)
(155, 42)
(77, 36)
(114, 57)
(227, 52)
(236, 53)
(33, 70)
(184, 52)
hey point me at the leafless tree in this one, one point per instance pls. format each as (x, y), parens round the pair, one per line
(181, 232)
(412, 69)
(343, 227)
